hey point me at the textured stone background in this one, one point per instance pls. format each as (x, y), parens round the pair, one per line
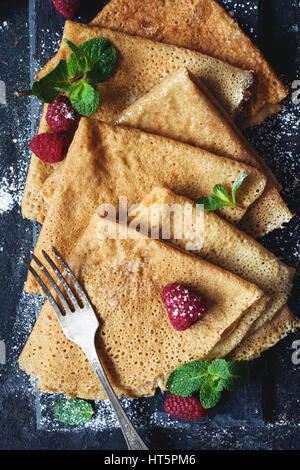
(266, 414)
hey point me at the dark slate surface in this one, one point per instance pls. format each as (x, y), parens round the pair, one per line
(266, 414)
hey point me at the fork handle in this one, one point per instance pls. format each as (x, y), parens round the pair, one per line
(132, 438)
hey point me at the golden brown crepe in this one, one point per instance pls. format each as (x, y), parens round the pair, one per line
(223, 245)
(269, 213)
(180, 109)
(266, 336)
(176, 108)
(186, 111)
(105, 162)
(133, 78)
(139, 347)
(201, 25)
(33, 204)
(143, 63)
(124, 278)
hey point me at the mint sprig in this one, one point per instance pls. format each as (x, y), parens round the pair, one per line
(49, 87)
(209, 395)
(100, 57)
(91, 62)
(188, 378)
(73, 411)
(221, 198)
(84, 98)
(210, 379)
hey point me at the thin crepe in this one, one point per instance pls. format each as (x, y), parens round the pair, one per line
(183, 110)
(141, 65)
(124, 279)
(201, 25)
(283, 323)
(186, 111)
(34, 206)
(223, 245)
(106, 162)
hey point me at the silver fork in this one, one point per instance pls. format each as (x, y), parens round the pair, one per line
(79, 325)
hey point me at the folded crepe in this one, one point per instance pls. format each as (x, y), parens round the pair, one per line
(283, 323)
(106, 162)
(184, 110)
(201, 25)
(138, 346)
(34, 206)
(141, 65)
(224, 245)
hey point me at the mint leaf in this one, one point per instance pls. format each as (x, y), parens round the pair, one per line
(73, 411)
(238, 182)
(219, 368)
(49, 87)
(101, 58)
(104, 67)
(95, 48)
(84, 97)
(187, 378)
(92, 62)
(209, 396)
(221, 197)
(211, 203)
(209, 378)
(221, 193)
(238, 375)
(79, 63)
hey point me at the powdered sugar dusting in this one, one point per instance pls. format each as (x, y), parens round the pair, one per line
(268, 140)
(10, 193)
(276, 140)
(6, 200)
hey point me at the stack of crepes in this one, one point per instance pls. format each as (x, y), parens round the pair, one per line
(174, 142)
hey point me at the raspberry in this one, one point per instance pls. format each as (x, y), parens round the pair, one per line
(184, 307)
(61, 116)
(50, 148)
(67, 8)
(184, 407)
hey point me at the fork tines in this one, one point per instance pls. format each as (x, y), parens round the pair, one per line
(68, 302)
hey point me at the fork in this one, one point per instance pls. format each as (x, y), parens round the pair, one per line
(79, 324)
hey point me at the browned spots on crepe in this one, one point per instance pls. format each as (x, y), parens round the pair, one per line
(186, 111)
(152, 63)
(223, 245)
(268, 213)
(202, 25)
(183, 110)
(175, 108)
(105, 162)
(266, 336)
(124, 279)
(143, 63)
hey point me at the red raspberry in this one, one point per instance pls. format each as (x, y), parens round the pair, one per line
(61, 116)
(184, 407)
(184, 307)
(67, 8)
(50, 148)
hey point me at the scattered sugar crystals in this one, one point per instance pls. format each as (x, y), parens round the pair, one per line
(275, 139)
(10, 193)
